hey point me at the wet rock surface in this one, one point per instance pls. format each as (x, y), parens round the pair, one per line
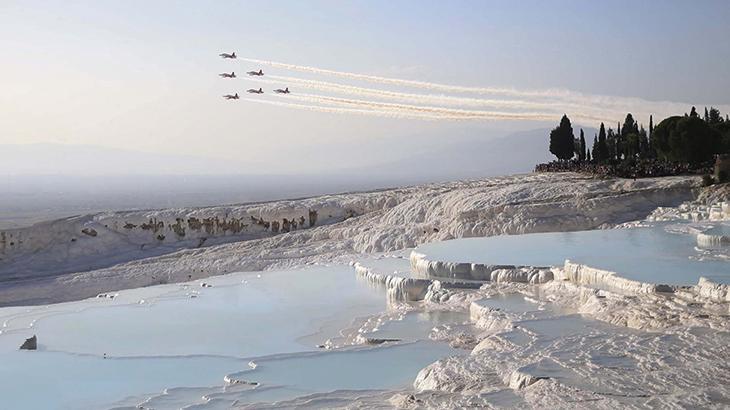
(133, 249)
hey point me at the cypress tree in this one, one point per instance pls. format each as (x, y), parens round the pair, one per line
(629, 127)
(582, 156)
(693, 113)
(562, 140)
(611, 142)
(707, 115)
(619, 140)
(643, 143)
(651, 125)
(714, 117)
(602, 154)
(588, 155)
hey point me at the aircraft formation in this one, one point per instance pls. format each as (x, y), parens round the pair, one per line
(259, 73)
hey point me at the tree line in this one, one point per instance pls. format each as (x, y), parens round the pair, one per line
(690, 138)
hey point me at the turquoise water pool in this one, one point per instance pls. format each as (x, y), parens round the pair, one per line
(648, 254)
(186, 338)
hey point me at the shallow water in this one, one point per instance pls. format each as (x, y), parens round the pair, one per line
(385, 367)
(97, 352)
(719, 229)
(563, 326)
(649, 254)
(395, 265)
(415, 325)
(266, 314)
(513, 302)
(55, 380)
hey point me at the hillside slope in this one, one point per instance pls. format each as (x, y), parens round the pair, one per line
(81, 256)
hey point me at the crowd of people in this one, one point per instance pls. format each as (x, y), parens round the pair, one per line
(643, 168)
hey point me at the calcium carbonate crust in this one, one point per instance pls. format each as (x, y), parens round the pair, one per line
(83, 256)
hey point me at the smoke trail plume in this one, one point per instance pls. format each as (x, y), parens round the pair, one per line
(550, 108)
(609, 108)
(408, 83)
(337, 110)
(417, 98)
(406, 109)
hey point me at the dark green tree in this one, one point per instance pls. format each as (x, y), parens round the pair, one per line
(629, 127)
(686, 139)
(562, 140)
(707, 115)
(693, 113)
(724, 129)
(631, 145)
(651, 125)
(643, 144)
(582, 153)
(588, 155)
(611, 143)
(602, 154)
(714, 117)
(619, 141)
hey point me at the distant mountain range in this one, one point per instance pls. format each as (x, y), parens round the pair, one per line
(469, 155)
(71, 159)
(462, 153)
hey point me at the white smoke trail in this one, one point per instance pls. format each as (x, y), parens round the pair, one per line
(377, 113)
(578, 111)
(406, 109)
(554, 108)
(419, 98)
(409, 83)
(610, 108)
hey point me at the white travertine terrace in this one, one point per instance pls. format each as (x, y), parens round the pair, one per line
(83, 256)
(712, 241)
(596, 340)
(423, 267)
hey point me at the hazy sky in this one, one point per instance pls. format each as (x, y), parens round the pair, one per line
(142, 75)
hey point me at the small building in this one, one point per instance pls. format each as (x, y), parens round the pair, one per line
(722, 168)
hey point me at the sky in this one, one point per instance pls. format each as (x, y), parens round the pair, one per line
(143, 76)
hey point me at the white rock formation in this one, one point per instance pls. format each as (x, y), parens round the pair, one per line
(55, 261)
(398, 288)
(424, 267)
(601, 363)
(713, 291)
(603, 279)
